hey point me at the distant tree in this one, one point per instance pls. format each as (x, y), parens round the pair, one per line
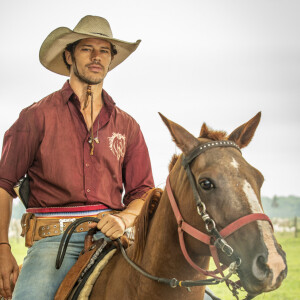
(275, 201)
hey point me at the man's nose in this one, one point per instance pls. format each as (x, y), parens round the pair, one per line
(96, 55)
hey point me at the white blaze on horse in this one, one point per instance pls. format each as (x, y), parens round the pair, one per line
(212, 202)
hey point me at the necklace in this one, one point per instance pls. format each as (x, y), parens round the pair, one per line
(95, 139)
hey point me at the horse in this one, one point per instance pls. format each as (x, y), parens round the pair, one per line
(227, 192)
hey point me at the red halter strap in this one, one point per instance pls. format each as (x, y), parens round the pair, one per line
(205, 238)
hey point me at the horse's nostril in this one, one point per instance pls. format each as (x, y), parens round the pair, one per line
(259, 268)
(261, 261)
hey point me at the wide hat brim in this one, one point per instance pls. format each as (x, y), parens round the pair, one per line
(51, 52)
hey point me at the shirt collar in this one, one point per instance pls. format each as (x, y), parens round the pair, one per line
(67, 93)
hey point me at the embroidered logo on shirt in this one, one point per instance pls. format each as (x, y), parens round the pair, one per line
(117, 144)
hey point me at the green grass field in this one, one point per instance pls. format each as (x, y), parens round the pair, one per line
(290, 289)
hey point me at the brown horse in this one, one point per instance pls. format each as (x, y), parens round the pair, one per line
(230, 189)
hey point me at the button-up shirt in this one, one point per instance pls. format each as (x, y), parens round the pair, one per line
(50, 143)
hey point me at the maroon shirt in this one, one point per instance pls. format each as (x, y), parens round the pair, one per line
(49, 142)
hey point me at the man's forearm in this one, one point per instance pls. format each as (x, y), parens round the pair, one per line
(5, 214)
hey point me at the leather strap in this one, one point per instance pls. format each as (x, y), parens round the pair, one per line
(234, 226)
(181, 223)
(35, 229)
(72, 276)
(53, 227)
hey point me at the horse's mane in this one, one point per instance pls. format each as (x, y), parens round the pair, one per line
(205, 133)
(141, 223)
(214, 135)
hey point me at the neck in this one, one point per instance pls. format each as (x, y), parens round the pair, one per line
(163, 240)
(80, 89)
(162, 257)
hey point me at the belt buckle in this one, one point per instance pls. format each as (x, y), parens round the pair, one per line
(62, 225)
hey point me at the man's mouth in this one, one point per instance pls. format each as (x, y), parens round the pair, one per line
(95, 67)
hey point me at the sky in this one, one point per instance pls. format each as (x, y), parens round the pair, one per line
(218, 62)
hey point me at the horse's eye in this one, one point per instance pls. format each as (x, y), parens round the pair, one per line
(206, 184)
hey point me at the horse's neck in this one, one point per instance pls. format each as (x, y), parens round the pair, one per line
(162, 253)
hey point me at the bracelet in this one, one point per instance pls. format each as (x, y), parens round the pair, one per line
(5, 243)
(117, 215)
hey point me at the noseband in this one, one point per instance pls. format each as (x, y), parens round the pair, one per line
(214, 239)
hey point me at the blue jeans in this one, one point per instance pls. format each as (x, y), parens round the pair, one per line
(39, 279)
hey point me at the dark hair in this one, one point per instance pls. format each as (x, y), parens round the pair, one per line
(71, 48)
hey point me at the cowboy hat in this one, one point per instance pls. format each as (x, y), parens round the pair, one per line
(51, 52)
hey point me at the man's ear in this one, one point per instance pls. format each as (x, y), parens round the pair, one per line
(68, 57)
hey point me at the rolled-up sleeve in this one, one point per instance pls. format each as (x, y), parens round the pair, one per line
(137, 171)
(20, 144)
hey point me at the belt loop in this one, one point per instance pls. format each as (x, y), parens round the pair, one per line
(25, 223)
(28, 224)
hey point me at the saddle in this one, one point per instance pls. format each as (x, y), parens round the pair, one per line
(79, 281)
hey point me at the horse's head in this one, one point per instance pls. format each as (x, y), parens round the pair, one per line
(230, 189)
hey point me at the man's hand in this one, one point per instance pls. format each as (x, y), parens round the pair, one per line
(9, 272)
(111, 225)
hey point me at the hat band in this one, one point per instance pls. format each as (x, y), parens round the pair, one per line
(100, 34)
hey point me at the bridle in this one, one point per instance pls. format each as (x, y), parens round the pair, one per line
(214, 239)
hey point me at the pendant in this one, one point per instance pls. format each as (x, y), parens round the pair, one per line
(96, 140)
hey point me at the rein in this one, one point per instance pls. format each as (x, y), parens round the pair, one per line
(173, 282)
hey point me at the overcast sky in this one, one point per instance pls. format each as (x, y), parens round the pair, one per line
(218, 62)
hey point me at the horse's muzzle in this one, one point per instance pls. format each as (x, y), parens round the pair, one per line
(268, 271)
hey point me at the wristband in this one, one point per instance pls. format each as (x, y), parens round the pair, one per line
(5, 243)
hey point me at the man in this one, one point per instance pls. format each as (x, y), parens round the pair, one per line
(78, 150)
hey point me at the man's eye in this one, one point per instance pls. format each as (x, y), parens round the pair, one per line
(86, 49)
(104, 51)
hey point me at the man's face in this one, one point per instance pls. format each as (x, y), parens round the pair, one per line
(91, 60)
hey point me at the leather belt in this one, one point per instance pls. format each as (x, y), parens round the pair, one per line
(35, 229)
(53, 227)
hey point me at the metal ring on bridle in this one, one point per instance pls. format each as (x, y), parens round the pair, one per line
(238, 261)
(229, 251)
(210, 225)
(173, 283)
(201, 209)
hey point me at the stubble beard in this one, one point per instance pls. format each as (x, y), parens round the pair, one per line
(84, 78)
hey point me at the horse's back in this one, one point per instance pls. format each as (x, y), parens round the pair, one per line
(114, 281)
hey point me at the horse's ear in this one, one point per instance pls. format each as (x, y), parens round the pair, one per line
(204, 130)
(183, 139)
(243, 135)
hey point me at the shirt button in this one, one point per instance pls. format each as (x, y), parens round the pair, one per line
(87, 165)
(88, 190)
